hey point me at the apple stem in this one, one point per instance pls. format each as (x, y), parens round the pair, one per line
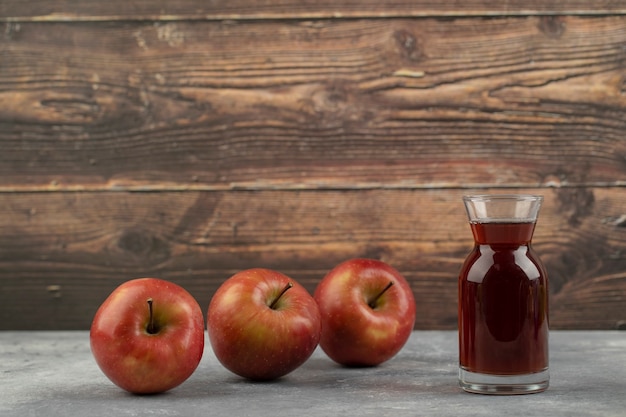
(151, 329)
(289, 285)
(374, 301)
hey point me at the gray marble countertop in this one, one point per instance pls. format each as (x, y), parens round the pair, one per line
(53, 374)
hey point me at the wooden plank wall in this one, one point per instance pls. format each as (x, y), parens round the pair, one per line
(189, 140)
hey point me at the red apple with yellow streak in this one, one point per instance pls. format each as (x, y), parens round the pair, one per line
(148, 336)
(367, 310)
(262, 324)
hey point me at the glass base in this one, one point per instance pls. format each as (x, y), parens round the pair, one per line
(504, 384)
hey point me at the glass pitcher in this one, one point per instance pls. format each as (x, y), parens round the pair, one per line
(503, 299)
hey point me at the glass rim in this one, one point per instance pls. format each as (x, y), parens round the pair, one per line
(511, 197)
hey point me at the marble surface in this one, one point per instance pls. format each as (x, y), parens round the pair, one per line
(54, 374)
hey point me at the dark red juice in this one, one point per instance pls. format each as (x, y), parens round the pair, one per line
(503, 302)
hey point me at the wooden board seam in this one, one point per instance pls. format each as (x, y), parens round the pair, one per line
(330, 15)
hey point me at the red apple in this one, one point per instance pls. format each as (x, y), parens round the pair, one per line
(262, 324)
(148, 336)
(367, 310)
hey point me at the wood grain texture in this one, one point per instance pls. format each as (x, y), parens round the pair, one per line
(62, 253)
(189, 140)
(91, 10)
(352, 104)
